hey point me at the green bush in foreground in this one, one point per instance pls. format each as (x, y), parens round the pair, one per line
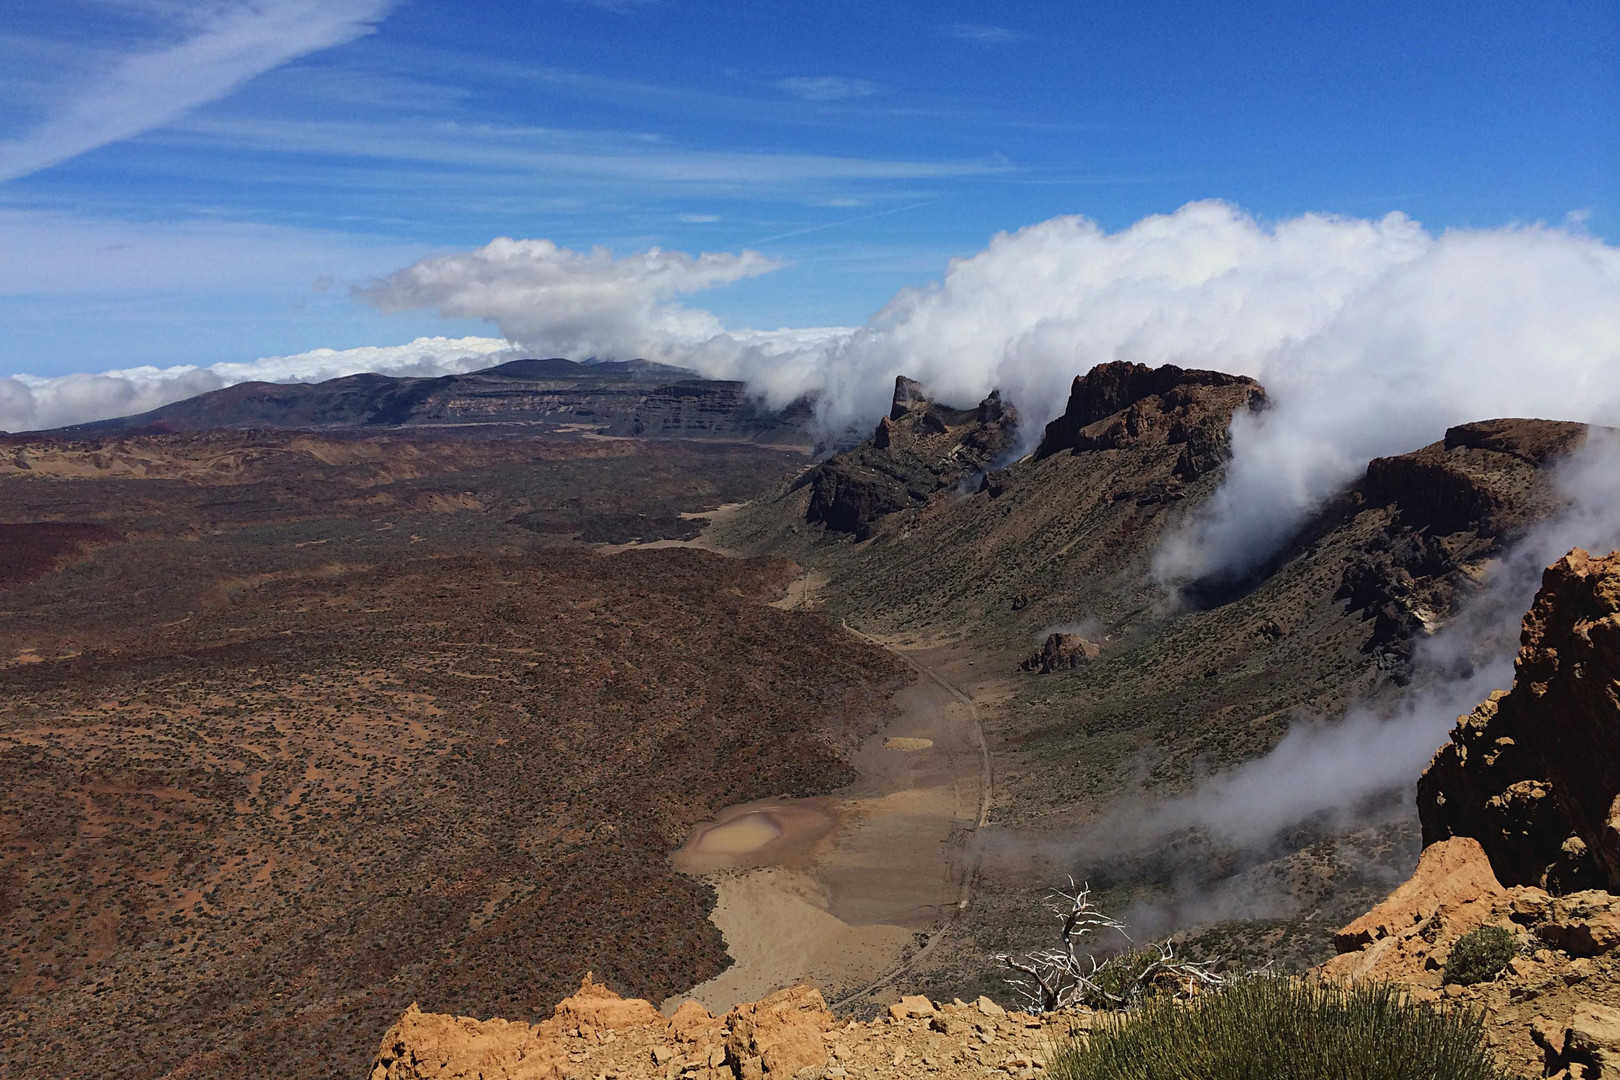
(1480, 955)
(1276, 1029)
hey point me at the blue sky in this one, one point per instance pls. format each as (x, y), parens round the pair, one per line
(200, 183)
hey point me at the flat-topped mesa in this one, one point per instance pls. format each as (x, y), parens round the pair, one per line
(1534, 774)
(1119, 405)
(919, 448)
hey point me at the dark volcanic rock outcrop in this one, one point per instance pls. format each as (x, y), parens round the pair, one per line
(1061, 652)
(1120, 405)
(920, 448)
(1534, 774)
(1449, 507)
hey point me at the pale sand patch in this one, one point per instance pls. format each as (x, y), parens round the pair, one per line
(778, 931)
(837, 898)
(772, 832)
(743, 836)
(801, 591)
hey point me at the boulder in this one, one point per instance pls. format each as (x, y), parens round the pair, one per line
(911, 1005)
(778, 1036)
(422, 1045)
(1593, 1038)
(1408, 936)
(1582, 924)
(691, 1021)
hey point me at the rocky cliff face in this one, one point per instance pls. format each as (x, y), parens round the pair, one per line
(920, 448)
(1119, 406)
(1534, 774)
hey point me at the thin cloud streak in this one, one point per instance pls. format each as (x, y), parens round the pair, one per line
(981, 34)
(828, 87)
(549, 151)
(846, 221)
(145, 90)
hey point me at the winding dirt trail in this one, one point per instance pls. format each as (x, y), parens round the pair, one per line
(970, 872)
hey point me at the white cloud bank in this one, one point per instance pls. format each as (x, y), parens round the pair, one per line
(1372, 336)
(227, 45)
(31, 403)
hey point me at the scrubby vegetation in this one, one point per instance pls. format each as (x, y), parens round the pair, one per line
(1480, 955)
(298, 743)
(1072, 974)
(1282, 1029)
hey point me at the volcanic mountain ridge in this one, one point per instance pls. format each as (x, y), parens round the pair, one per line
(622, 398)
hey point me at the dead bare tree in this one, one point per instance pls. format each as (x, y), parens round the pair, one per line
(1052, 979)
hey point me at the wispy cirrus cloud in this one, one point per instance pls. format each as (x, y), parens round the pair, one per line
(147, 87)
(828, 87)
(984, 34)
(513, 150)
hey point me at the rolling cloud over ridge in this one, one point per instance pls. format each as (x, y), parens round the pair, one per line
(1371, 335)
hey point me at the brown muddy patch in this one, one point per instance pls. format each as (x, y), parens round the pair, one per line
(776, 832)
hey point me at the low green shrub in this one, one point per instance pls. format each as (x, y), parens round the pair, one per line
(1261, 1028)
(1120, 982)
(1480, 955)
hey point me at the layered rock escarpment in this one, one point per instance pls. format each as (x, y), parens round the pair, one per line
(1120, 405)
(630, 398)
(1534, 774)
(920, 448)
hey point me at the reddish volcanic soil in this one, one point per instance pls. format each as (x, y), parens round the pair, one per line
(329, 733)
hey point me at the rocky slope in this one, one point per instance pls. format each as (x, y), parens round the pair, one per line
(1534, 774)
(1523, 795)
(1062, 543)
(630, 398)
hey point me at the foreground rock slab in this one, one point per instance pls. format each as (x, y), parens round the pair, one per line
(789, 1035)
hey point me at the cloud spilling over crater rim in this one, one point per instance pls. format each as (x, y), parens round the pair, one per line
(1371, 335)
